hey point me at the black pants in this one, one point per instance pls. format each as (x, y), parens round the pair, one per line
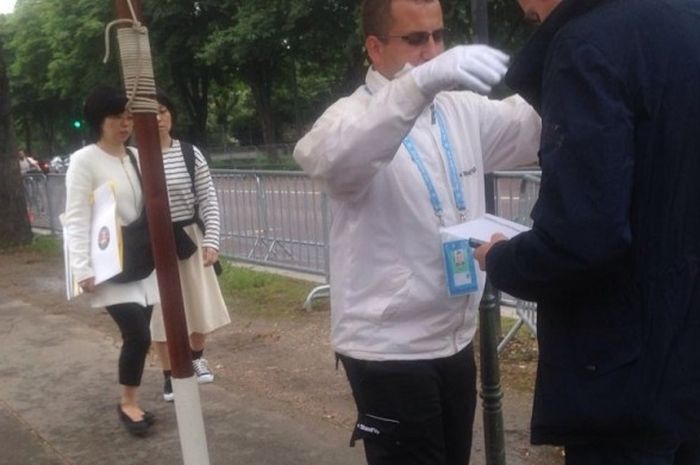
(687, 453)
(133, 321)
(414, 412)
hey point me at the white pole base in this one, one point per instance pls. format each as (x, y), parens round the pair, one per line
(190, 422)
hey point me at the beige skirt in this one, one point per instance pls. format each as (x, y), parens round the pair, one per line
(205, 309)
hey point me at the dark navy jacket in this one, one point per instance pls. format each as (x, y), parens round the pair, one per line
(613, 258)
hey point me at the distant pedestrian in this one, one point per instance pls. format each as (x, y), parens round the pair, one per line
(194, 209)
(26, 163)
(129, 304)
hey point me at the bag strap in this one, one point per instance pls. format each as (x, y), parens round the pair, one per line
(188, 155)
(135, 164)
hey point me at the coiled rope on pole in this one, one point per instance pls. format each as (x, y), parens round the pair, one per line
(137, 66)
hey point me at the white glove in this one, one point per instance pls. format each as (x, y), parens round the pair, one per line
(470, 67)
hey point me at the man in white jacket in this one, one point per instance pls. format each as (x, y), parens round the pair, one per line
(401, 157)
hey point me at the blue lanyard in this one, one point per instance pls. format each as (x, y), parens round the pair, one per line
(457, 191)
(452, 164)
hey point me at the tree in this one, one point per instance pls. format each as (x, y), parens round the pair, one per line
(55, 54)
(274, 46)
(277, 64)
(178, 31)
(14, 227)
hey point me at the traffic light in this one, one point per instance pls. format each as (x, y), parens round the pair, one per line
(77, 124)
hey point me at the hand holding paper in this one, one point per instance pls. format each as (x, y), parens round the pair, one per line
(483, 250)
(483, 232)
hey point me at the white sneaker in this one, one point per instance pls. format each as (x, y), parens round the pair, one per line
(201, 369)
(168, 395)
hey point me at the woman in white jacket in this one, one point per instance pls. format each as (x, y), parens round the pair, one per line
(129, 304)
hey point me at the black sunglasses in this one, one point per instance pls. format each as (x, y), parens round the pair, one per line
(419, 38)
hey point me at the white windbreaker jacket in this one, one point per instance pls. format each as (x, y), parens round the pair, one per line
(90, 167)
(389, 298)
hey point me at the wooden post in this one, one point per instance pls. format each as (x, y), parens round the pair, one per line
(160, 225)
(187, 404)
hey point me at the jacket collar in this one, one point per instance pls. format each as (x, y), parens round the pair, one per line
(375, 81)
(526, 73)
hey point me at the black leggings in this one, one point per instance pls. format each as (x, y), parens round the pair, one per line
(133, 321)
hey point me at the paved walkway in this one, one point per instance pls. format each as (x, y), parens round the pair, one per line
(58, 407)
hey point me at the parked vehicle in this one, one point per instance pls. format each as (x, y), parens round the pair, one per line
(44, 165)
(59, 164)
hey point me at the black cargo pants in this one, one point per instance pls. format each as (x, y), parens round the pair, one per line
(417, 412)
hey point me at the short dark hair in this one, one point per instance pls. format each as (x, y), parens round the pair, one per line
(103, 101)
(376, 16)
(164, 100)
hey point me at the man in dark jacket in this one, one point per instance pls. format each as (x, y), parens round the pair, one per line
(613, 258)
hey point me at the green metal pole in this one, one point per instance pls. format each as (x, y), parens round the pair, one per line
(480, 21)
(491, 393)
(489, 308)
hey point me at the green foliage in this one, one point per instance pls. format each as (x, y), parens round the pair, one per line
(260, 162)
(245, 71)
(178, 30)
(55, 51)
(47, 246)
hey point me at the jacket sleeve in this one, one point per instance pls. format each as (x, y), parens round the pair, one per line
(510, 133)
(208, 202)
(354, 139)
(78, 216)
(581, 219)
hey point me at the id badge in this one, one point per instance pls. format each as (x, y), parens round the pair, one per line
(460, 267)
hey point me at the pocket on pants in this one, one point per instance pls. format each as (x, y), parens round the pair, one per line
(374, 428)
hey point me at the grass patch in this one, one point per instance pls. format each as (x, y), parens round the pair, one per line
(50, 247)
(260, 293)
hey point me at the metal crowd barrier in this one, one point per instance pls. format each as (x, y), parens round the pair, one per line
(273, 218)
(281, 219)
(45, 198)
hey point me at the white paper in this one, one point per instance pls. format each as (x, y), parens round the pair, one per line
(73, 289)
(483, 228)
(105, 251)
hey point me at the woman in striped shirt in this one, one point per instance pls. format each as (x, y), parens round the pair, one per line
(195, 214)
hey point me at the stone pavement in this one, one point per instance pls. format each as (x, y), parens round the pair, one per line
(58, 407)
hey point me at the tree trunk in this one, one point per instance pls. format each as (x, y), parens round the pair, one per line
(195, 95)
(261, 87)
(14, 227)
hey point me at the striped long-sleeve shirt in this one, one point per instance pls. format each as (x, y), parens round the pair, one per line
(181, 197)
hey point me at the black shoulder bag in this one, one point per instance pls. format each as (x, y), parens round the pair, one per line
(137, 255)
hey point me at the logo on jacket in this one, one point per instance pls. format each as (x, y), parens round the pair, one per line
(468, 172)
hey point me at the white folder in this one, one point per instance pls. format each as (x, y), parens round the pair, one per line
(105, 234)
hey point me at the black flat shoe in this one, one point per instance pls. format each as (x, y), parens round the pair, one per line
(149, 417)
(136, 428)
